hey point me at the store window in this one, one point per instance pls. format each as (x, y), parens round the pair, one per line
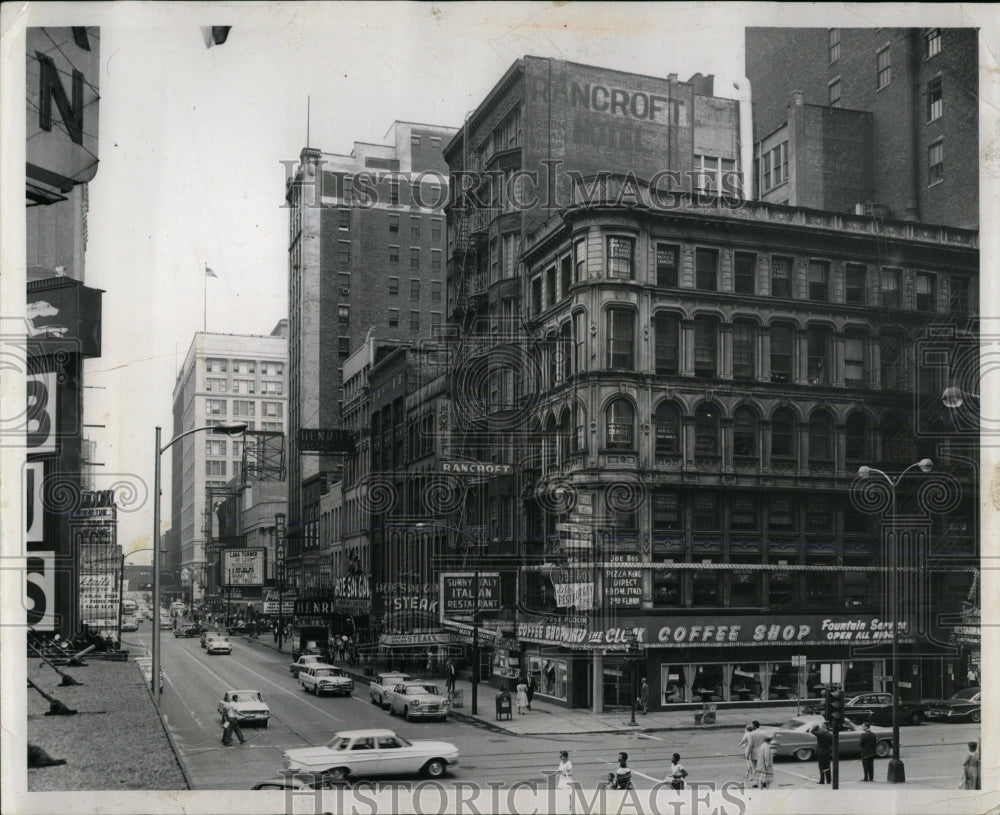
(708, 683)
(673, 688)
(552, 676)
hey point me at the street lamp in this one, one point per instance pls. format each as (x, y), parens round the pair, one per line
(897, 772)
(224, 428)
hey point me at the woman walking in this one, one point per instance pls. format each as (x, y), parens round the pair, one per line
(747, 746)
(765, 764)
(564, 776)
(522, 696)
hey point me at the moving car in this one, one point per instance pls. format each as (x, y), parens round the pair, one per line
(417, 699)
(250, 707)
(131, 624)
(218, 645)
(372, 752)
(877, 709)
(165, 623)
(321, 678)
(187, 631)
(963, 705)
(304, 662)
(207, 635)
(796, 737)
(382, 684)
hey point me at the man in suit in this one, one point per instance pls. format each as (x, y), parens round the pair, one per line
(867, 746)
(824, 752)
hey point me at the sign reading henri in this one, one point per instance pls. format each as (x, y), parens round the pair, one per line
(243, 567)
(458, 593)
(623, 587)
(313, 440)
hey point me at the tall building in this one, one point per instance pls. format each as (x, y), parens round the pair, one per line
(224, 378)
(366, 246)
(880, 119)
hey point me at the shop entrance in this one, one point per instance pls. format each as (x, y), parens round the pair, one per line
(617, 684)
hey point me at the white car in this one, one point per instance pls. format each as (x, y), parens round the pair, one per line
(303, 662)
(321, 678)
(417, 699)
(373, 752)
(382, 684)
(218, 645)
(249, 704)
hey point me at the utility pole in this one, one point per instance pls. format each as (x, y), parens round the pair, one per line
(475, 643)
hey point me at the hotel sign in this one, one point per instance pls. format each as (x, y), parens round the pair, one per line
(332, 440)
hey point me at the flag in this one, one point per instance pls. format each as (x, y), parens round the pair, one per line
(210, 273)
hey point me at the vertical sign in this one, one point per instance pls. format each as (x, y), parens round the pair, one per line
(623, 586)
(41, 415)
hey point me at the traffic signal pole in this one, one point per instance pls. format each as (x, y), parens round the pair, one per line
(837, 716)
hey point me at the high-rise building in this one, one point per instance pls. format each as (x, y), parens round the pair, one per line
(224, 378)
(365, 258)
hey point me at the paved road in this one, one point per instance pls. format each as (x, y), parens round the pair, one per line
(195, 681)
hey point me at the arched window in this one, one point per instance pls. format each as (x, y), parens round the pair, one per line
(667, 421)
(819, 342)
(564, 435)
(620, 423)
(550, 442)
(621, 339)
(744, 349)
(579, 430)
(566, 349)
(783, 435)
(706, 347)
(857, 439)
(745, 435)
(706, 431)
(820, 438)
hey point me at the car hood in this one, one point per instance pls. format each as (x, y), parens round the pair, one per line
(340, 680)
(949, 702)
(423, 698)
(250, 705)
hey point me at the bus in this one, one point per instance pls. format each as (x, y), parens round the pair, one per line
(129, 607)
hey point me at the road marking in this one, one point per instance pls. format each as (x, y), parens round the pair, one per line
(648, 736)
(797, 775)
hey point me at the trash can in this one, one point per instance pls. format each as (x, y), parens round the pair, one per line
(456, 698)
(503, 705)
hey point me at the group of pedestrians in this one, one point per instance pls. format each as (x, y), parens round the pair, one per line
(526, 688)
(759, 755)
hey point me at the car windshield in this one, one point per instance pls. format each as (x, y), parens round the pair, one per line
(967, 694)
(416, 690)
(325, 672)
(338, 743)
(247, 696)
(792, 724)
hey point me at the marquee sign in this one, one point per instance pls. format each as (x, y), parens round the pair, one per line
(243, 567)
(458, 593)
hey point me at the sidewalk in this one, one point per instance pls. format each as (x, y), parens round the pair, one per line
(546, 718)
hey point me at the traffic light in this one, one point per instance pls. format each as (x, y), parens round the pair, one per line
(826, 704)
(837, 706)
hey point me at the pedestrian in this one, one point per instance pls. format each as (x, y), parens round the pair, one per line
(532, 687)
(274, 632)
(747, 748)
(644, 696)
(867, 746)
(450, 676)
(430, 661)
(677, 772)
(564, 776)
(765, 764)
(824, 753)
(522, 696)
(231, 725)
(756, 740)
(970, 770)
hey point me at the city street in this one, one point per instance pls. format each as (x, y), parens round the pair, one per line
(195, 681)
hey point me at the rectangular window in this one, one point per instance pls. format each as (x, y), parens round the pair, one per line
(394, 254)
(705, 344)
(959, 300)
(394, 192)
(436, 229)
(580, 250)
(393, 320)
(244, 386)
(705, 516)
(414, 141)
(666, 265)
(344, 253)
(215, 385)
(621, 331)
(273, 410)
(667, 338)
(819, 281)
(935, 99)
(343, 315)
(781, 515)
(834, 43)
(216, 365)
(271, 387)
(414, 289)
(415, 227)
(889, 288)
(854, 284)
(743, 350)
(883, 68)
(344, 220)
(415, 321)
(550, 286)
(744, 513)
(833, 93)
(435, 322)
(244, 408)
(666, 513)
(781, 277)
(620, 256)
(819, 515)
(779, 163)
(215, 448)
(932, 43)
(393, 223)
(394, 285)
(435, 260)
(215, 407)
(275, 426)
(781, 353)
(935, 163)
(706, 269)
(215, 468)
(925, 290)
(565, 275)
(744, 273)
(435, 291)
(765, 171)
(854, 362)
(414, 257)
(818, 349)
(536, 296)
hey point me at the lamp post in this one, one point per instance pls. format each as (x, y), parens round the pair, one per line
(225, 428)
(896, 772)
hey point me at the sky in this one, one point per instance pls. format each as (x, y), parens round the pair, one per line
(192, 140)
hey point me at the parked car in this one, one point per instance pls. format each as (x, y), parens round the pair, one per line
(303, 662)
(207, 635)
(382, 684)
(218, 645)
(372, 752)
(165, 623)
(187, 631)
(250, 707)
(321, 678)
(417, 699)
(877, 709)
(963, 705)
(796, 738)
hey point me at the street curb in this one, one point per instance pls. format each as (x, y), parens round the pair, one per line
(170, 738)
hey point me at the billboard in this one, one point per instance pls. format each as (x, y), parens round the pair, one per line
(458, 593)
(243, 567)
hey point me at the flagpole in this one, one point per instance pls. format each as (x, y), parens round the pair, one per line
(204, 302)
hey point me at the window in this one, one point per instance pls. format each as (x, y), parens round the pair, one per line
(666, 514)
(243, 408)
(436, 229)
(215, 385)
(414, 289)
(550, 286)
(819, 283)
(932, 43)
(343, 349)
(393, 318)
(215, 407)
(781, 516)
(705, 347)
(959, 299)
(818, 343)
(666, 328)
(820, 438)
(344, 283)
(414, 257)
(394, 192)
(833, 93)
(667, 422)
(394, 254)
(343, 315)
(435, 291)
(215, 468)
(773, 167)
(935, 99)
(620, 419)
(579, 341)
(621, 332)
(712, 174)
(925, 291)
(883, 68)
(580, 250)
(781, 277)
(890, 359)
(273, 410)
(344, 220)
(854, 360)
(834, 44)
(782, 338)
(706, 431)
(579, 440)
(565, 275)
(706, 269)
(393, 223)
(272, 387)
(435, 260)
(621, 252)
(536, 295)
(344, 253)
(889, 288)
(666, 265)
(743, 515)
(896, 434)
(244, 366)
(244, 386)
(414, 321)
(819, 514)
(744, 273)
(744, 433)
(705, 513)
(215, 448)
(783, 434)
(415, 227)
(744, 343)
(935, 163)
(854, 284)
(394, 286)
(856, 433)
(215, 365)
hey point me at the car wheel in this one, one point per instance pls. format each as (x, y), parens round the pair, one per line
(883, 748)
(976, 716)
(264, 725)
(435, 768)
(373, 701)
(336, 773)
(917, 717)
(804, 753)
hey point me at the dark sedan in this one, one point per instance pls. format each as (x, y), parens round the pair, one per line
(877, 709)
(963, 705)
(187, 631)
